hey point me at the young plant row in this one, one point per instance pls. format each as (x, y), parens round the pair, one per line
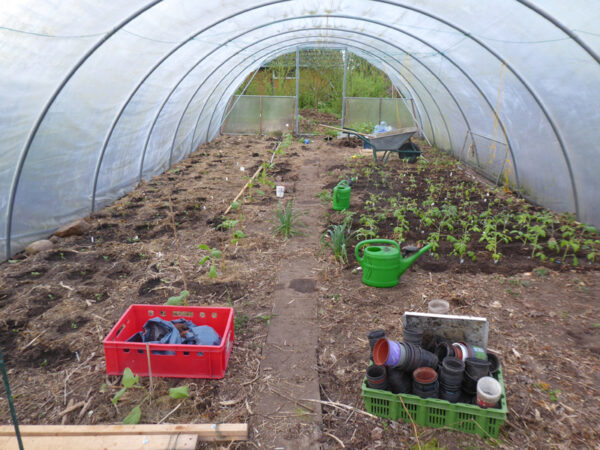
(433, 204)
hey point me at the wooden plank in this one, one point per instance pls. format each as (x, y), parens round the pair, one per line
(205, 431)
(109, 442)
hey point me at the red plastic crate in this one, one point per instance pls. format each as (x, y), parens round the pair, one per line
(184, 361)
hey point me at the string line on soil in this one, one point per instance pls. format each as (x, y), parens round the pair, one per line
(174, 226)
(411, 421)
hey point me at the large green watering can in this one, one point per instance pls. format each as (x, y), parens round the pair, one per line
(341, 196)
(382, 265)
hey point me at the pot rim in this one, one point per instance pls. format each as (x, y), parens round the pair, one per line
(425, 375)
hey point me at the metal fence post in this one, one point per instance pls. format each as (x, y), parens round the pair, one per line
(344, 87)
(297, 110)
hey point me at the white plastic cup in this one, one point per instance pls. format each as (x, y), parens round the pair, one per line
(488, 392)
(279, 190)
(438, 306)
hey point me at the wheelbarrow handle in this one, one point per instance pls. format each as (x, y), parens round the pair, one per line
(373, 241)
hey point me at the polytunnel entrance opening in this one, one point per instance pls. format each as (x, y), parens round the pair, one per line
(298, 91)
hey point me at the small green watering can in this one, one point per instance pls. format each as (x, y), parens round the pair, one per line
(382, 265)
(341, 196)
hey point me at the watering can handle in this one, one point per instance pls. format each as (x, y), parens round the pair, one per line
(373, 241)
(343, 183)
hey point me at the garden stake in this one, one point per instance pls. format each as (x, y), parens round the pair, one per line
(11, 405)
(149, 367)
(179, 261)
(243, 189)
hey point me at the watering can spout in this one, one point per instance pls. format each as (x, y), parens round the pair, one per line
(405, 263)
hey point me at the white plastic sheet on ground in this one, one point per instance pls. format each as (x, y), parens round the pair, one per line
(97, 95)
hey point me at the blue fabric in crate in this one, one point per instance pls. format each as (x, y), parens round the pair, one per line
(160, 331)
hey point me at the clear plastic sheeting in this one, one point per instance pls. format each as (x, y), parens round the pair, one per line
(99, 95)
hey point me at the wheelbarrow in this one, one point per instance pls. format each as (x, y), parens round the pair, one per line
(395, 141)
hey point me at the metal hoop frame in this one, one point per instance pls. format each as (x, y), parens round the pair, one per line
(537, 10)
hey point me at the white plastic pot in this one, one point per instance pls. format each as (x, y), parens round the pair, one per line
(438, 306)
(488, 392)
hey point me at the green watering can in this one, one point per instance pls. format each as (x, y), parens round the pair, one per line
(382, 265)
(341, 196)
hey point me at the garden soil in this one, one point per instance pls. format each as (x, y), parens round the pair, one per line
(56, 307)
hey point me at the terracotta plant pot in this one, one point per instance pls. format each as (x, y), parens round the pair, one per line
(425, 375)
(388, 353)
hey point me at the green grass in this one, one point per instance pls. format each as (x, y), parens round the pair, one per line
(336, 238)
(288, 220)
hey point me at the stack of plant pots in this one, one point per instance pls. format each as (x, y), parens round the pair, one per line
(450, 371)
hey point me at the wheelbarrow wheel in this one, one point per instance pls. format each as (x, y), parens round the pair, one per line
(413, 151)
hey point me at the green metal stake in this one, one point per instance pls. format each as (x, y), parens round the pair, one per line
(10, 401)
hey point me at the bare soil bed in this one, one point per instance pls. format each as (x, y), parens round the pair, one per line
(57, 306)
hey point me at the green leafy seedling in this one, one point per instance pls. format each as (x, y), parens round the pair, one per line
(179, 392)
(134, 417)
(212, 257)
(177, 300)
(128, 380)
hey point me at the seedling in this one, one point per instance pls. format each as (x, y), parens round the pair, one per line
(288, 220)
(128, 381)
(237, 235)
(336, 238)
(211, 258)
(325, 196)
(239, 322)
(177, 300)
(228, 224)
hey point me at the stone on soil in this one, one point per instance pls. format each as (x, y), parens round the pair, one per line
(376, 433)
(76, 228)
(38, 246)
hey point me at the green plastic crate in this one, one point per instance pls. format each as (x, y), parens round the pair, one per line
(433, 412)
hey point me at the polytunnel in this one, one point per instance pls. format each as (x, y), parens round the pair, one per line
(97, 96)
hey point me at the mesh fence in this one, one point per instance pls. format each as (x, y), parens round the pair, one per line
(257, 114)
(394, 111)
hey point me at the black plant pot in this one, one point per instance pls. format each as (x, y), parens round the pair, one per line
(452, 372)
(413, 336)
(373, 337)
(477, 368)
(399, 381)
(377, 377)
(494, 363)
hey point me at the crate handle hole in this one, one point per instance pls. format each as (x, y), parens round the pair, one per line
(186, 353)
(162, 352)
(214, 315)
(200, 353)
(150, 312)
(202, 314)
(163, 313)
(183, 313)
(120, 330)
(125, 350)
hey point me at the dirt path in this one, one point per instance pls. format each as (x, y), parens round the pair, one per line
(289, 368)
